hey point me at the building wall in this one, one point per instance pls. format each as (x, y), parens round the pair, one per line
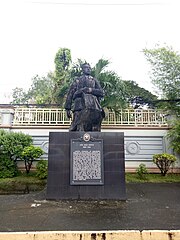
(140, 144)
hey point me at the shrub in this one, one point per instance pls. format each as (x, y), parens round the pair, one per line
(164, 161)
(8, 168)
(30, 154)
(11, 147)
(42, 169)
(12, 144)
(142, 171)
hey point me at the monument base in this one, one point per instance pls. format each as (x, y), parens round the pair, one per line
(59, 182)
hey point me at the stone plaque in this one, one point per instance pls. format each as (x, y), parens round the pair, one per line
(86, 162)
(111, 170)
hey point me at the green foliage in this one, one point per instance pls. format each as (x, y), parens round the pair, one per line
(62, 61)
(109, 80)
(164, 161)
(114, 89)
(165, 63)
(62, 75)
(42, 169)
(41, 90)
(118, 93)
(51, 88)
(112, 84)
(174, 136)
(30, 154)
(13, 143)
(142, 171)
(75, 69)
(19, 96)
(100, 67)
(8, 168)
(138, 96)
(153, 178)
(22, 183)
(54, 87)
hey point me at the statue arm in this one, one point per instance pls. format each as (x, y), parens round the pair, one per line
(98, 91)
(69, 97)
(77, 94)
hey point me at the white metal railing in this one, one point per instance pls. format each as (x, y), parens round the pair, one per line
(40, 116)
(56, 116)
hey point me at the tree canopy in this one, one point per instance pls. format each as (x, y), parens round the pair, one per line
(19, 96)
(138, 96)
(61, 76)
(53, 87)
(165, 73)
(40, 92)
(112, 84)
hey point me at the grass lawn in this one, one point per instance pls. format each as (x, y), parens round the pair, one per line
(27, 183)
(22, 184)
(153, 178)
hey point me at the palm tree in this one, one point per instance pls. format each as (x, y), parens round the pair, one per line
(112, 84)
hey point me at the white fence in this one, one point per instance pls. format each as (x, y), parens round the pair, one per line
(56, 116)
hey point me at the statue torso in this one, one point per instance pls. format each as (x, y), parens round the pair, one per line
(85, 81)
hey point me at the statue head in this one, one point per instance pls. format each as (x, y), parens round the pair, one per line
(86, 68)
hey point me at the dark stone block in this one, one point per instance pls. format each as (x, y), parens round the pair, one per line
(58, 183)
(112, 165)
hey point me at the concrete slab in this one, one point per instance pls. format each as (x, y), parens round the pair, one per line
(148, 206)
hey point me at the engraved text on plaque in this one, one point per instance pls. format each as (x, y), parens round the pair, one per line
(86, 162)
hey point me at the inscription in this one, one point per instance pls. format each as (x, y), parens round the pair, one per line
(86, 162)
(86, 165)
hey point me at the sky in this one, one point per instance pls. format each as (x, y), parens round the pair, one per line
(32, 31)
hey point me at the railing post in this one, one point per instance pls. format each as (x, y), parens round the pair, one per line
(7, 115)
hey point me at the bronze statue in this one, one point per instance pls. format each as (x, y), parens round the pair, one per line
(85, 94)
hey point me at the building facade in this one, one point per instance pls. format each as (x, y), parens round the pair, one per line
(144, 131)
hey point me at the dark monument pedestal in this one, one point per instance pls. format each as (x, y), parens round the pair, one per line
(111, 183)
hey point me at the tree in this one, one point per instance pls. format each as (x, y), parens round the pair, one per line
(13, 143)
(112, 84)
(174, 136)
(138, 96)
(48, 89)
(62, 75)
(165, 74)
(118, 93)
(29, 154)
(19, 96)
(54, 87)
(41, 90)
(75, 69)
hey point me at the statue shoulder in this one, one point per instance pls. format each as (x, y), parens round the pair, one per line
(75, 81)
(96, 80)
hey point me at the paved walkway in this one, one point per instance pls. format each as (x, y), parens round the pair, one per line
(149, 206)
